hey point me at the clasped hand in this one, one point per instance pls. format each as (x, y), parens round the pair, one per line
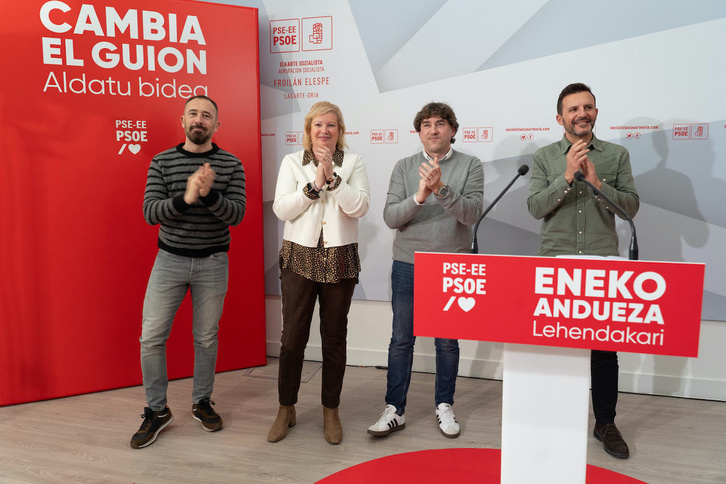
(199, 184)
(430, 182)
(325, 165)
(577, 160)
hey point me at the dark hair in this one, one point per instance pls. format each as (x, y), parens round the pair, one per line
(203, 97)
(439, 110)
(572, 89)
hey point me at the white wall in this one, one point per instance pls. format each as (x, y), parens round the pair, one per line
(369, 330)
(654, 70)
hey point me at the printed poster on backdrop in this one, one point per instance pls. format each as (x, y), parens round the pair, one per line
(602, 304)
(95, 91)
(376, 61)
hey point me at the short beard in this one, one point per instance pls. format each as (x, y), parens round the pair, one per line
(573, 130)
(198, 137)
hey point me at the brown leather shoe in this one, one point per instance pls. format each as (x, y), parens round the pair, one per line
(611, 439)
(284, 420)
(332, 425)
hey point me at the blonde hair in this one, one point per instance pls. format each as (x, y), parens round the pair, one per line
(319, 109)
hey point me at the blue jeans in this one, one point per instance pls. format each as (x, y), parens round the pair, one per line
(400, 351)
(171, 278)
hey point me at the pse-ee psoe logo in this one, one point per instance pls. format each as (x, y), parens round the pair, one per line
(478, 135)
(301, 34)
(464, 282)
(690, 131)
(384, 136)
(293, 137)
(131, 133)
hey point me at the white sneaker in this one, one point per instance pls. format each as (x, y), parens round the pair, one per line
(447, 421)
(388, 422)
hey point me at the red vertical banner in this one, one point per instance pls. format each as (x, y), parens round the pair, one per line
(95, 91)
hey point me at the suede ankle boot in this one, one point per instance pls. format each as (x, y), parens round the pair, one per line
(332, 426)
(285, 419)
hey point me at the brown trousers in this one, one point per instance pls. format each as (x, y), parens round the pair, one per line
(298, 303)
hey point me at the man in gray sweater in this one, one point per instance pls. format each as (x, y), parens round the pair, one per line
(433, 199)
(195, 191)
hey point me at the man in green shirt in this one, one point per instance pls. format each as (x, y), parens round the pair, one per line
(576, 222)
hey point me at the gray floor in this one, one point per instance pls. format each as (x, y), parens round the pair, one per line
(85, 439)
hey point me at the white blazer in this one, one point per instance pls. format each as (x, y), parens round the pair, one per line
(336, 212)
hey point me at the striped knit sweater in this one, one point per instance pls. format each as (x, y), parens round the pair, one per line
(200, 229)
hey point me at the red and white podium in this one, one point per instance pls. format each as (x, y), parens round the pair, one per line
(550, 312)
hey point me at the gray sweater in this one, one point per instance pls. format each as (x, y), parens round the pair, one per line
(440, 224)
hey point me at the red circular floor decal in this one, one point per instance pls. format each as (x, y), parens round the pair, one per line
(447, 465)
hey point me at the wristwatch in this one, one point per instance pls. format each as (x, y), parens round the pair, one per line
(443, 191)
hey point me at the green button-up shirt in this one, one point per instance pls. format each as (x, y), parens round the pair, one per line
(575, 221)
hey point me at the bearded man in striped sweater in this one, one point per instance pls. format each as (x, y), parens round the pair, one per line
(194, 192)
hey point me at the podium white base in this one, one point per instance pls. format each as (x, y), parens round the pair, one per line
(545, 406)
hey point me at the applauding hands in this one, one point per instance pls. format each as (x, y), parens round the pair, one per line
(430, 182)
(199, 184)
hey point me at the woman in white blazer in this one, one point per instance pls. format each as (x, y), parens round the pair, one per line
(321, 193)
